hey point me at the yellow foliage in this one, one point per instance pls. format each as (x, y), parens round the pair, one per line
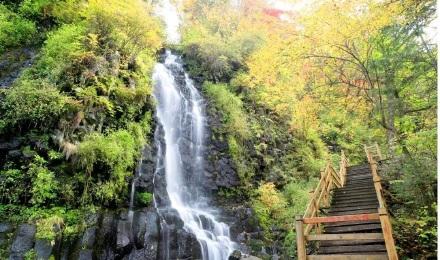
(130, 23)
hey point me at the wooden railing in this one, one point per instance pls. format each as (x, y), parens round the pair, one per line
(308, 227)
(373, 152)
(321, 197)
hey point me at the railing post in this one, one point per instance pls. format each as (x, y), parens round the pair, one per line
(377, 183)
(387, 234)
(300, 238)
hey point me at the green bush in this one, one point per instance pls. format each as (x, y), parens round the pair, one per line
(60, 49)
(14, 29)
(117, 152)
(12, 186)
(144, 198)
(31, 104)
(44, 185)
(231, 107)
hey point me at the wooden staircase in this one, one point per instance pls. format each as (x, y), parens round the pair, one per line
(347, 217)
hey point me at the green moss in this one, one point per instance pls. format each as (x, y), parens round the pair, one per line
(144, 198)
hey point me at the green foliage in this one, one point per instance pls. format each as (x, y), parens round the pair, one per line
(117, 152)
(47, 227)
(88, 94)
(12, 185)
(14, 29)
(64, 11)
(417, 236)
(270, 206)
(30, 255)
(31, 104)
(44, 185)
(231, 107)
(60, 49)
(144, 198)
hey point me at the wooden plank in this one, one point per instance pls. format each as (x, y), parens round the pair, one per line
(353, 249)
(388, 234)
(347, 257)
(357, 217)
(350, 242)
(358, 236)
(365, 228)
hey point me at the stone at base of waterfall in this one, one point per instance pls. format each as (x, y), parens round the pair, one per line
(249, 257)
(237, 255)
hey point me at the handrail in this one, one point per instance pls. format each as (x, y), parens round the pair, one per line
(330, 179)
(372, 152)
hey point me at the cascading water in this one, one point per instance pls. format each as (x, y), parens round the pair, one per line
(180, 152)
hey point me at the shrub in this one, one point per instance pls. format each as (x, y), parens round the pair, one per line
(12, 186)
(144, 198)
(269, 205)
(128, 24)
(31, 104)
(231, 107)
(117, 153)
(44, 185)
(60, 50)
(14, 29)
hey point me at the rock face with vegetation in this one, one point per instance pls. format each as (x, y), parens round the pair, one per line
(285, 92)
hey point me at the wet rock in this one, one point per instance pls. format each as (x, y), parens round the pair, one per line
(236, 255)
(10, 145)
(6, 228)
(123, 235)
(139, 228)
(43, 249)
(86, 254)
(249, 257)
(105, 236)
(89, 237)
(188, 246)
(23, 242)
(14, 154)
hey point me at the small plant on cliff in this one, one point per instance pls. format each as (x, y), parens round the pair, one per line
(144, 198)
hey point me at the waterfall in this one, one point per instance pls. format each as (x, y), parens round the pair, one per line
(180, 114)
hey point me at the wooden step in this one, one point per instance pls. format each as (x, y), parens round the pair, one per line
(353, 199)
(353, 249)
(352, 207)
(356, 188)
(359, 173)
(364, 228)
(337, 197)
(348, 257)
(359, 183)
(354, 192)
(357, 167)
(373, 202)
(352, 223)
(366, 179)
(352, 212)
(351, 242)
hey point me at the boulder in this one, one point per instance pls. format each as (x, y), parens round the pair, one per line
(236, 255)
(23, 242)
(43, 249)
